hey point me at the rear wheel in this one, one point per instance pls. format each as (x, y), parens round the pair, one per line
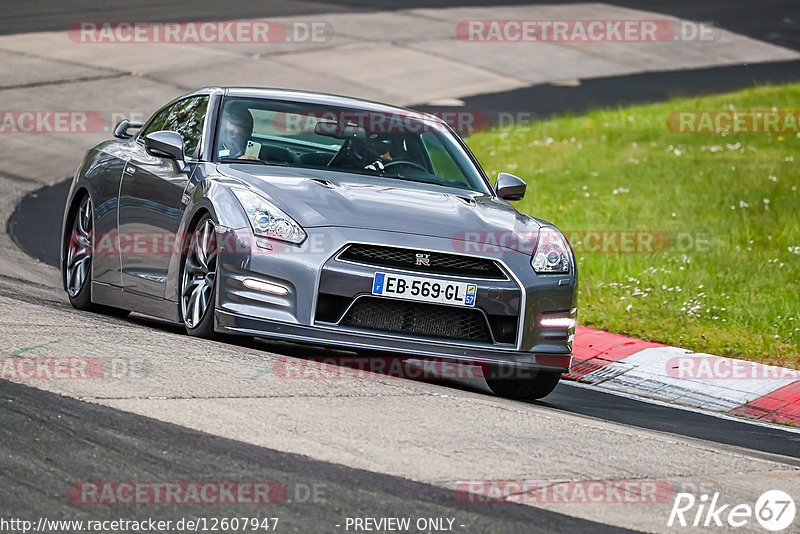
(198, 280)
(534, 388)
(78, 261)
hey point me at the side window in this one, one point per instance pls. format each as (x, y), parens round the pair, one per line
(156, 124)
(185, 117)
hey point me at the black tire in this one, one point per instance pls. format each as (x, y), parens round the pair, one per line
(80, 293)
(534, 388)
(202, 324)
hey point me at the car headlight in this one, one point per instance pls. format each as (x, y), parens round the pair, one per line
(552, 252)
(267, 220)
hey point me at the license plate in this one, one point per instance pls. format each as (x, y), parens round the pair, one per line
(424, 289)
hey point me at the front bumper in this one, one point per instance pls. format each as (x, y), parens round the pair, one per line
(311, 271)
(457, 352)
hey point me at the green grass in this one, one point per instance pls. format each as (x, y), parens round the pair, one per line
(737, 292)
(785, 423)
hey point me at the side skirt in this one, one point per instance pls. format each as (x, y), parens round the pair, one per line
(117, 297)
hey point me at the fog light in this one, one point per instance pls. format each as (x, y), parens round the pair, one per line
(561, 323)
(265, 287)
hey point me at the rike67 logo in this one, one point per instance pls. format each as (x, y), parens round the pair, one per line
(774, 510)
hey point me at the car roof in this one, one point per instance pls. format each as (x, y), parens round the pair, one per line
(310, 97)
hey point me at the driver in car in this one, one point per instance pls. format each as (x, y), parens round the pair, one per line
(235, 131)
(380, 150)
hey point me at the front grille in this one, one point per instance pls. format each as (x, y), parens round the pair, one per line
(438, 262)
(415, 318)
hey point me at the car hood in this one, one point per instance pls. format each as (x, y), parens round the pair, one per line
(316, 198)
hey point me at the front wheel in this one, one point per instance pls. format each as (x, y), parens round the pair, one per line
(534, 388)
(198, 280)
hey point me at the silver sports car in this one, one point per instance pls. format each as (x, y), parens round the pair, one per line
(321, 219)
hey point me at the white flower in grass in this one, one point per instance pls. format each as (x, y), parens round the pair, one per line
(628, 307)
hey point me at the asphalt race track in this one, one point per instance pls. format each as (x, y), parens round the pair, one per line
(210, 411)
(35, 425)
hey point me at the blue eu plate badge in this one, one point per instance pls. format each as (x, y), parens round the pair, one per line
(377, 284)
(469, 300)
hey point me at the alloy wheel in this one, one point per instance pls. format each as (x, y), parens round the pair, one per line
(199, 273)
(79, 248)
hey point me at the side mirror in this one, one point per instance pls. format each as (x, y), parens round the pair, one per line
(121, 131)
(510, 187)
(165, 144)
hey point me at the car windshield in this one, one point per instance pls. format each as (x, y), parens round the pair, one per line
(403, 145)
